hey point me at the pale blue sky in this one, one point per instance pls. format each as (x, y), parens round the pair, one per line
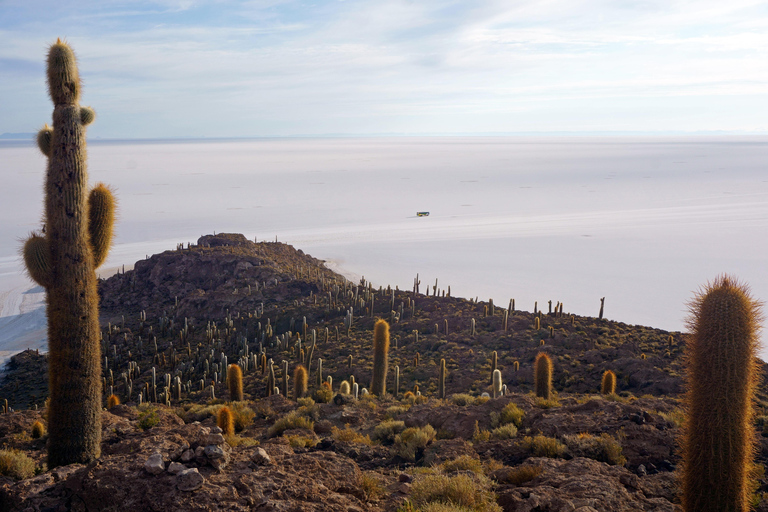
(273, 68)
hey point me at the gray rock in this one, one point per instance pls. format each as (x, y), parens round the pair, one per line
(217, 457)
(175, 468)
(155, 464)
(216, 430)
(187, 456)
(189, 480)
(261, 457)
(215, 439)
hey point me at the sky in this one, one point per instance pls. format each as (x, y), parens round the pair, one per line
(271, 68)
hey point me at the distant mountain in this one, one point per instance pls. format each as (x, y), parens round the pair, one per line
(17, 136)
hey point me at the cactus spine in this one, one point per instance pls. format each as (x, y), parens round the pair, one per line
(542, 376)
(380, 358)
(718, 443)
(235, 382)
(608, 385)
(77, 237)
(300, 379)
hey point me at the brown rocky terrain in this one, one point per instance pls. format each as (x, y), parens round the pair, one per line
(177, 313)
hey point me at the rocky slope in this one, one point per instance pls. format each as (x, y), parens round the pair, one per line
(185, 314)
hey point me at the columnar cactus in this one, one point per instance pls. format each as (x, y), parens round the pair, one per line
(718, 445)
(380, 358)
(496, 383)
(441, 381)
(300, 379)
(608, 384)
(225, 420)
(63, 259)
(235, 382)
(542, 376)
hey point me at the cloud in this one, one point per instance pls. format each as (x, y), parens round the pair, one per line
(281, 67)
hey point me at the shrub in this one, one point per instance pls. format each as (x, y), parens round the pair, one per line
(242, 414)
(148, 418)
(481, 399)
(301, 441)
(603, 448)
(460, 491)
(462, 399)
(350, 436)
(291, 420)
(507, 431)
(413, 440)
(542, 446)
(511, 413)
(396, 410)
(387, 430)
(371, 486)
(523, 474)
(480, 435)
(323, 394)
(463, 463)
(16, 464)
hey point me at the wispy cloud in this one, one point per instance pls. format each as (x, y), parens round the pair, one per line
(165, 68)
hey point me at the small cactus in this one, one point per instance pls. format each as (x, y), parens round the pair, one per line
(235, 382)
(608, 384)
(225, 420)
(112, 401)
(38, 430)
(542, 376)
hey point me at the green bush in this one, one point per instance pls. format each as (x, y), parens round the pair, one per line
(511, 413)
(542, 446)
(523, 474)
(462, 399)
(457, 492)
(148, 418)
(413, 439)
(463, 463)
(603, 448)
(16, 464)
(507, 431)
(291, 420)
(387, 430)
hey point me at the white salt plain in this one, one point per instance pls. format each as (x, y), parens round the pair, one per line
(643, 222)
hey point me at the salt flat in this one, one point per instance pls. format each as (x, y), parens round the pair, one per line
(641, 221)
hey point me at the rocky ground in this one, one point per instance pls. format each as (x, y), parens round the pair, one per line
(178, 312)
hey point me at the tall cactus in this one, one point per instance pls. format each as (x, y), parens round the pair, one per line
(542, 376)
(75, 241)
(718, 443)
(380, 358)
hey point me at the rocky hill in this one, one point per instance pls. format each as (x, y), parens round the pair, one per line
(178, 319)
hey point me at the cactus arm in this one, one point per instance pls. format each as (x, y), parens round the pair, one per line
(87, 115)
(44, 139)
(37, 258)
(101, 218)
